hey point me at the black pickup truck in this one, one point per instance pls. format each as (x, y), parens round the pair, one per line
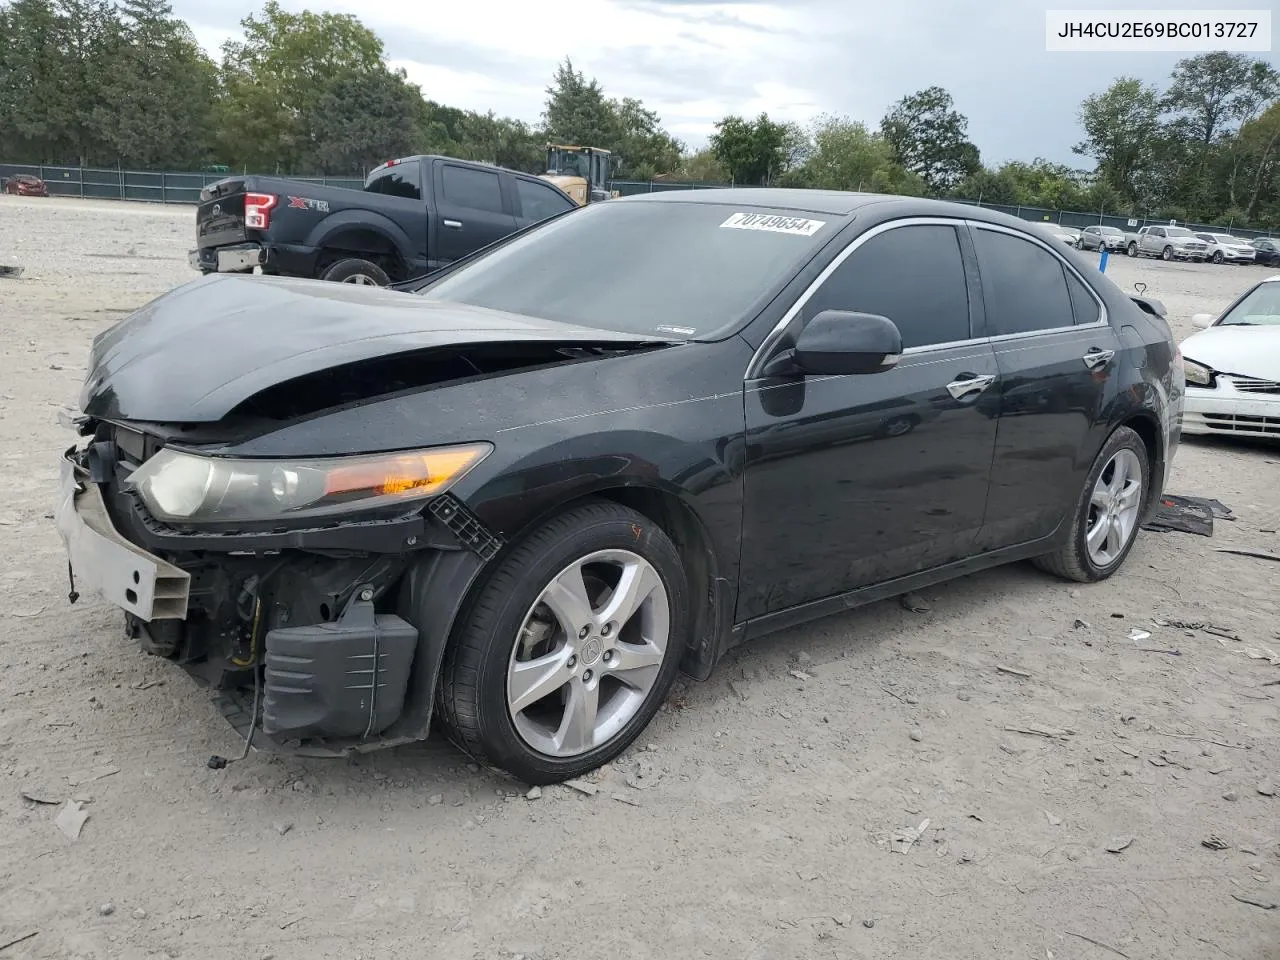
(413, 216)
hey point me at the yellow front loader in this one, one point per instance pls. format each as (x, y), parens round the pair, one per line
(581, 172)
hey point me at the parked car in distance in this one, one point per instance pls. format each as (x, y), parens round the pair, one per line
(1233, 367)
(524, 492)
(413, 216)
(1267, 251)
(1167, 243)
(1061, 233)
(26, 185)
(1224, 248)
(1099, 237)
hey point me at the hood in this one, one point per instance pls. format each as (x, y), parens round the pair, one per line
(195, 353)
(1247, 351)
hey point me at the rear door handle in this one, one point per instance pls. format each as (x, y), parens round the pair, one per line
(1096, 358)
(967, 385)
(453, 224)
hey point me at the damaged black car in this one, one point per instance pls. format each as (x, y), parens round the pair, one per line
(518, 496)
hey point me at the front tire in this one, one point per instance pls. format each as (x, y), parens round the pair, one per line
(1217, 256)
(355, 270)
(1166, 253)
(1108, 513)
(570, 647)
(1133, 249)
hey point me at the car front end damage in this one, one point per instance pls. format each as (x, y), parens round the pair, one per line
(326, 627)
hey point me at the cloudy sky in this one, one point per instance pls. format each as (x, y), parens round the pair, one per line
(696, 62)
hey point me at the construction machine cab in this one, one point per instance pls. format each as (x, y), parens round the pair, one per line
(581, 172)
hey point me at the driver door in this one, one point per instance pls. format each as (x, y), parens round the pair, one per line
(855, 480)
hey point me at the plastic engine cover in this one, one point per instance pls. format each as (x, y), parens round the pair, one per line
(342, 679)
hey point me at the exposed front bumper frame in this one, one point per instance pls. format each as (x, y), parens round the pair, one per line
(240, 258)
(1228, 412)
(101, 559)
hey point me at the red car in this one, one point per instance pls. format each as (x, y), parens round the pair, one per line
(25, 185)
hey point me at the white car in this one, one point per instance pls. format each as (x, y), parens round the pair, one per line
(1233, 368)
(1224, 247)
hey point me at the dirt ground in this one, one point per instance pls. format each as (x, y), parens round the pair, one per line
(1071, 781)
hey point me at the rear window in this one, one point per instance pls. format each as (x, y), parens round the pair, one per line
(670, 269)
(398, 181)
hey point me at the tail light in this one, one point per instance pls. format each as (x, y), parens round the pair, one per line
(257, 210)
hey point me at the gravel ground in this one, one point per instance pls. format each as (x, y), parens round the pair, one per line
(754, 820)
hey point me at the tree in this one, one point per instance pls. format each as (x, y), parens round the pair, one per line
(752, 151)
(149, 51)
(703, 167)
(275, 77)
(364, 119)
(644, 149)
(928, 138)
(1120, 125)
(844, 156)
(577, 111)
(1216, 91)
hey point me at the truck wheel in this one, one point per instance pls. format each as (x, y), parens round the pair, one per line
(355, 270)
(1166, 253)
(1133, 249)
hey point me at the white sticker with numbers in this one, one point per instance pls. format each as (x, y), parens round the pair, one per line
(799, 226)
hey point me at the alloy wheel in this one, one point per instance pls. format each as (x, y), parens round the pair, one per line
(362, 279)
(588, 654)
(1113, 508)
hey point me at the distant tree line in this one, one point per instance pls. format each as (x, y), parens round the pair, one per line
(123, 82)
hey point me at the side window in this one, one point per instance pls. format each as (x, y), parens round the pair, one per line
(1156, 232)
(912, 275)
(398, 181)
(1082, 301)
(538, 201)
(477, 189)
(1024, 286)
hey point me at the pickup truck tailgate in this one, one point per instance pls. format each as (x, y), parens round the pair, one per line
(220, 216)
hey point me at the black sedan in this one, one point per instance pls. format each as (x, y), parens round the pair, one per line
(1268, 251)
(520, 495)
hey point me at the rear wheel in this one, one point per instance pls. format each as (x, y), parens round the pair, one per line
(1107, 515)
(569, 648)
(1133, 249)
(355, 270)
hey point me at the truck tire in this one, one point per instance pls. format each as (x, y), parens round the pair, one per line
(1133, 249)
(355, 270)
(1166, 253)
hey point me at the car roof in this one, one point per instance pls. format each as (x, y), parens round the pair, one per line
(831, 202)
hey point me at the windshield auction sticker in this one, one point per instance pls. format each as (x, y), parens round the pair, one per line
(774, 224)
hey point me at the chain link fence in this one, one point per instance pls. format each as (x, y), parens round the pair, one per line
(176, 187)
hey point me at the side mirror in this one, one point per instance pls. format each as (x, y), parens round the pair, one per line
(838, 343)
(1202, 321)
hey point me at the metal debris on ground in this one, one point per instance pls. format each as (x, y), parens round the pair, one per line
(1013, 672)
(1135, 634)
(629, 801)
(1036, 731)
(900, 840)
(17, 940)
(534, 793)
(9, 272)
(589, 789)
(70, 820)
(1256, 554)
(1214, 843)
(800, 675)
(40, 795)
(1119, 845)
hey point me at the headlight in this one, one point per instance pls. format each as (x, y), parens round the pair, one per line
(186, 487)
(1198, 373)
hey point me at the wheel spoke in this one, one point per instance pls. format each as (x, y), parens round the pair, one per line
(1100, 498)
(1115, 537)
(637, 582)
(566, 595)
(1097, 537)
(577, 730)
(1129, 496)
(531, 680)
(636, 664)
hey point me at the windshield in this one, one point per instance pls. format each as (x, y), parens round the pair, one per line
(668, 268)
(1261, 307)
(1178, 232)
(1111, 231)
(1222, 238)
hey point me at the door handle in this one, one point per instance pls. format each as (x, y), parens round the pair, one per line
(970, 385)
(1096, 358)
(453, 224)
